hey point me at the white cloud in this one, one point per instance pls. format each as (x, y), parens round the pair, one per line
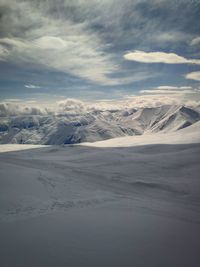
(167, 87)
(15, 109)
(77, 53)
(152, 101)
(158, 57)
(31, 86)
(77, 107)
(157, 91)
(3, 53)
(171, 90)
(50, 42)
(71, 105)
(127, 102)
(146, 101)
(13, 100)
(195, 41)
(56, 43)
(72, 36)
(172, 36)
(193, 75)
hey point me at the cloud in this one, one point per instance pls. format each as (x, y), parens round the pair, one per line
(50, 42)
(171, 90)
(145, 101)
(77, 53)
(31, 86)
(152, 101)
(195, 41)
(158, 57)
(3, 52)
(13, 100)
(167, 87)
(71, 106)
(87, 39)
(58, 43)
(15, 109)
(170, 37)
(156, 91)
(193, 75)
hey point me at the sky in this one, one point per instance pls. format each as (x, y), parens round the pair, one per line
(99, 50)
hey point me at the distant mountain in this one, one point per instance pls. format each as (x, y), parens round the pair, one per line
(94, 126)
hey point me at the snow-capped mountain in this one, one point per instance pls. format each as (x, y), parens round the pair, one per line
(90, 126)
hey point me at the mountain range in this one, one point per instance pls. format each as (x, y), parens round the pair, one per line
(95, 125)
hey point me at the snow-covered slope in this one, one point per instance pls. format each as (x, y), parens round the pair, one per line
(69, 128)
(187, 135)
(18, 147)
(77, 206)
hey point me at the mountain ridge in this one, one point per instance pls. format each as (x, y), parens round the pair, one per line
(94, 125)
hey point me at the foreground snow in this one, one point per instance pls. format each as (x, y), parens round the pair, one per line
(110, 206)
(17, 147)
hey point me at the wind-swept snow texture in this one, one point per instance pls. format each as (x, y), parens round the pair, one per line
(93, 125)
(102, 206)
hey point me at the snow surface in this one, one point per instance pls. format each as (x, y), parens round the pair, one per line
(188, 135)
(17, 147)
(106, 206)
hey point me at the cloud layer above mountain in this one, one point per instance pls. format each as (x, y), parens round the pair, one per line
(74, 106)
